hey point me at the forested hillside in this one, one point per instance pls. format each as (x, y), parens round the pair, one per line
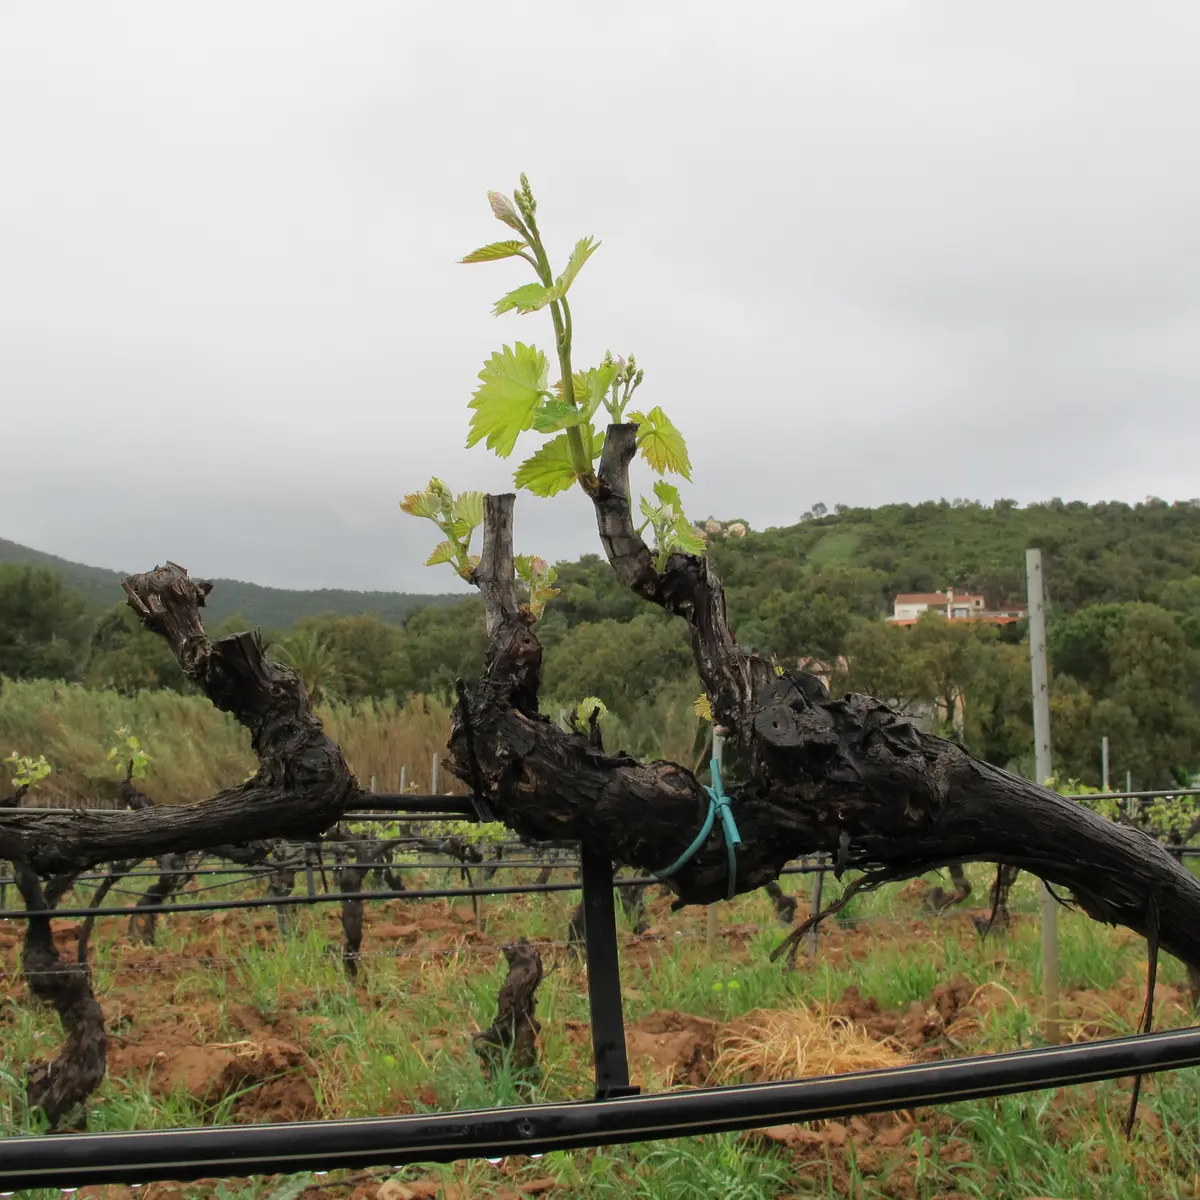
(266, 607)
(1124, 585)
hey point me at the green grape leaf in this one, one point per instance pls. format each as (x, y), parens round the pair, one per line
(444, 552)
(539, 575)
(550, 470)
(525, 299)
(468, 508)
(589, 705)
(494, 251)
(668, 495)
(685, 537)
(584, 249)
(504, 210)
(556, 414)
(456, 530)
(420, 504)
(661, 444)
(579, 386)
(514, 381)
(592, 386)
(702, 707)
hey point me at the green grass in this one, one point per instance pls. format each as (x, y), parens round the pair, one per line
(400, 1042)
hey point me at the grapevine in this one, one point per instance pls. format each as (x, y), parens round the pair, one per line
(515, 396)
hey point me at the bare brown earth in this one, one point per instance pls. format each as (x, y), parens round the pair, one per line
(257, 1066)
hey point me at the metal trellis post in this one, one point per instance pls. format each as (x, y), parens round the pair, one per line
(1043, 770)
(604, 975)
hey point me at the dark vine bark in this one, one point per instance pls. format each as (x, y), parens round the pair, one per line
(143, 926)
(354, 858)
(785, 905)
(281, 882)
(302, 785)
(60, 1087)
(940, 899)
(512, 1039)
(846, 776)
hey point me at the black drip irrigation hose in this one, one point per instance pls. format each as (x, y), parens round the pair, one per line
(72, 1160)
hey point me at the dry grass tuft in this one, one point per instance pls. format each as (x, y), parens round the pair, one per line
(766, 1045)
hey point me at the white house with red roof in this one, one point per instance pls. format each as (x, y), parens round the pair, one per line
(908, 608)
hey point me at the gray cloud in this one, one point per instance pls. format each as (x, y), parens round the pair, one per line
(866, 252)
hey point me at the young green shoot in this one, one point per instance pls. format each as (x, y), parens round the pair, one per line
(515, 396)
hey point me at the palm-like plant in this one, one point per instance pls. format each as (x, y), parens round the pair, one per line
(314, 660)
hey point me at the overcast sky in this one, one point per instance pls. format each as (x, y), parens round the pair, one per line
(866, 252)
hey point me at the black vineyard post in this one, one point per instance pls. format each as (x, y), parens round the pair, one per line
(604, 976)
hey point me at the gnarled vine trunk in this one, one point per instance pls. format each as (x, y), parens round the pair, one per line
(846, 776)
(60, 1086)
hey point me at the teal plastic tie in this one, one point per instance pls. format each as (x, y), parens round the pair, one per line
(718, 802)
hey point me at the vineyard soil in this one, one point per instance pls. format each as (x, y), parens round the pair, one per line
(226, 1020)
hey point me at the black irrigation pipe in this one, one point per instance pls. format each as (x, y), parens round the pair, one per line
(515, 889)
(73, 1160)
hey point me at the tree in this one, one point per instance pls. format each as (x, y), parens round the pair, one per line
(1141, 677)
(1182, 597)
(315, 660)
(800, 624)
(43, 626)
(625, 664)
(880, 662)
(370, 655)
(441, 645)
(123, 658)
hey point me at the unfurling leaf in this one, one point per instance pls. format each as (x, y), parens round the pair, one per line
(685, 537)
(495, 250)
(513, 382)
(589, 705)
(703, 708)
(538, 575)
(468, 508)
(584, 249)
(550, 470)
(26, 771)
(668, 495)
(420, 504)
(525, 299)
(556, 414)
(592, 386)
(504, 210)
(661, 444)
(443, 552)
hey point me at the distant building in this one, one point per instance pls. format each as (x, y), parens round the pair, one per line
(954, 606)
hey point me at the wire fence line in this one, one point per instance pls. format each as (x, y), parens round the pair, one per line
(309, 858)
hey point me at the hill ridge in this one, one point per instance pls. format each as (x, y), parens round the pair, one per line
(260, 605)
